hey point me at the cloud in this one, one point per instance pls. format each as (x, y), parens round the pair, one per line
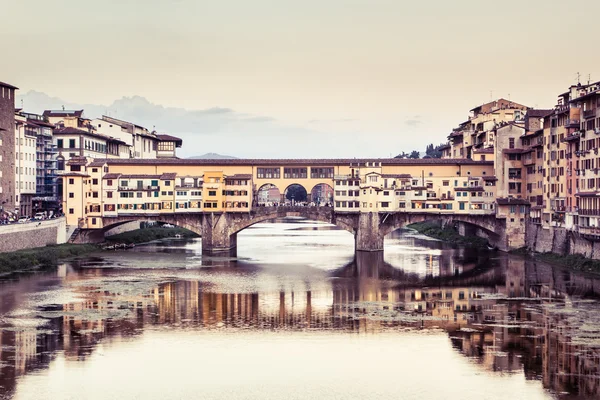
(413, 122)
(330, 121)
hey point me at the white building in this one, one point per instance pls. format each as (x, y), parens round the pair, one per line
(143, 143)
(25, 167)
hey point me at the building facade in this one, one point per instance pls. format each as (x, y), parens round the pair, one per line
(7, 149)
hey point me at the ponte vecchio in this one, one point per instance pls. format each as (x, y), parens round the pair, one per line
(218, 198)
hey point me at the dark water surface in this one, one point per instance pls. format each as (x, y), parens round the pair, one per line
(297, 316)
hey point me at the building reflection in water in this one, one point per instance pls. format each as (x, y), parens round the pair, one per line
(508, 314)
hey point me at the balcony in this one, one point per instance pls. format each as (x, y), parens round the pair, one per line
(515, 176)
(572, 123)
(591, 232)
(589, 211)
(589, 114)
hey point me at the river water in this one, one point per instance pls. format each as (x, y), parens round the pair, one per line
(296, 316)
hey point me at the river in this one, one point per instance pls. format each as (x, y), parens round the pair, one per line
(297, 316)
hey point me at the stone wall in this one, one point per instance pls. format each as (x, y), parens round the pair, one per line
(33, 234)
(559, 241)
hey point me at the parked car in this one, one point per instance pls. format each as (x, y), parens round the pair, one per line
(168, 226)
(39, 216)
(22, 220)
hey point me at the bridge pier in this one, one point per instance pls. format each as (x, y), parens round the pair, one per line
(216, 238)
(368, 236)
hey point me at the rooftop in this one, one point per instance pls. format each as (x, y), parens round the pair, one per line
(3, 84)
(302, 161)
(63, 113)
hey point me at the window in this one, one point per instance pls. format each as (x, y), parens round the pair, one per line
(94, 181)
(511, 143)
(109, 195)
(71, 195)
(268, 173)
(124, 183)
(71, 181)
(109, 182)
(71, 143)
(167, 183)
(318, 172)
(59, 143)
(445, 183)
(154, 183)
(293, 173)
(71, 211)
(212, 192)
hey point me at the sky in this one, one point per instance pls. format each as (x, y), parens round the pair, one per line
(351, 78)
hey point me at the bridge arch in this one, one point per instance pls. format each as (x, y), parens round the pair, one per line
(321, 194)
(268, 194)
(295, 192)
(487, 224)
(191, 223)
(320, 214)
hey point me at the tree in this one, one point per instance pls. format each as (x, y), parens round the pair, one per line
(433, 151)
(412, 154)
(296, 192)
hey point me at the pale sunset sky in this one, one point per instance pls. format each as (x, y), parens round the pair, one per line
(360, 78)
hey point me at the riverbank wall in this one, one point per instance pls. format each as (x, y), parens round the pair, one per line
(32, 234)
(559, 241)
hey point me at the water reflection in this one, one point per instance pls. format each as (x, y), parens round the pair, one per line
(504, 313)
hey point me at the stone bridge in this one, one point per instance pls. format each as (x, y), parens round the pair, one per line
(219, 230)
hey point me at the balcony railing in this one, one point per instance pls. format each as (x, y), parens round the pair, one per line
(589, 211)
(589, 230)
(572, 123)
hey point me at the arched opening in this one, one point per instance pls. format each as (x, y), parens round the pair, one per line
(295, 194)
(145, 230)
(268, 195)
(321, 195)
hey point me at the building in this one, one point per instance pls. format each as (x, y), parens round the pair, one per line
(7, 149)
(125, 187)
(167, 146)
(142, 143)
(25, 166)
(46, 198)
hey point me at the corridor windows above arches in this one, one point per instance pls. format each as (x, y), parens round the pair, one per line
(294, 173)
(321, 173)
(268, 173)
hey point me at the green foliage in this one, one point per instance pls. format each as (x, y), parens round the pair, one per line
(576, 262)
(413, 154)
(434, 229)
(296, 193)
(433, 151)
(42, 256)
(150, 234)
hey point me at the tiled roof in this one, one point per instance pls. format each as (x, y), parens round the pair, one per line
(63, 113)
(111, 176)
(168, 176)
(444, 147)
(168, 138)
(97, 163)
(310, 162)
(70, 130)
(239, 176)
(509, 201)
(470, 189)
(77, 161)
(489, 150)
(537, 113)
(401, 176)
(514, 151)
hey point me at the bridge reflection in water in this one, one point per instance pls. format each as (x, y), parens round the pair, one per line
(510, 315)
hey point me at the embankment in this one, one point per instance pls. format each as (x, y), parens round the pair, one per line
(32, 234)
